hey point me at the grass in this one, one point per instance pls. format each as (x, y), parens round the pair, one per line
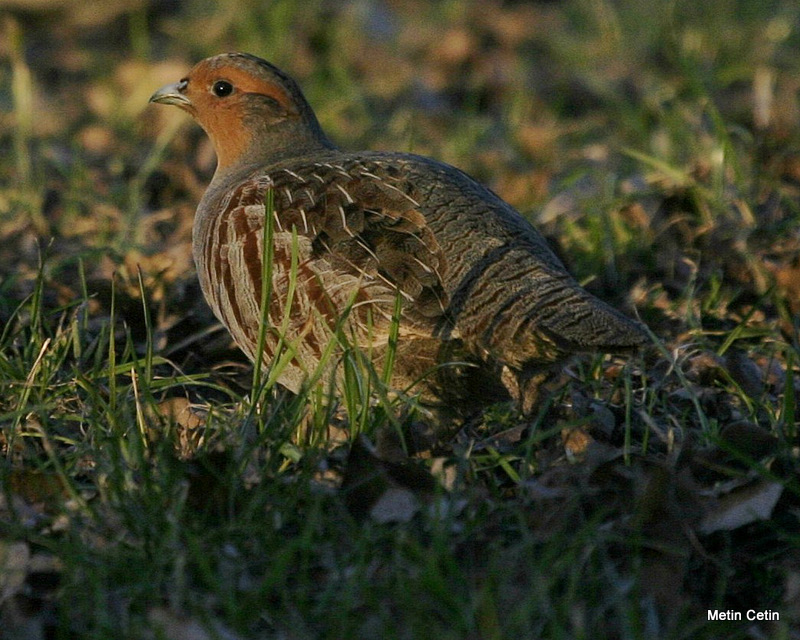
(155, 486)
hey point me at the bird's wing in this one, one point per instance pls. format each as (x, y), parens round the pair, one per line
(364, 225)
(346, 243)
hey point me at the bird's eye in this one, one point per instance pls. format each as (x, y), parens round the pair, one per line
(222, 88)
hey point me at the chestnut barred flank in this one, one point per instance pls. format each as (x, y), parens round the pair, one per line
(478, 284)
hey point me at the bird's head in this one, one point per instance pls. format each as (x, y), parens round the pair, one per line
(251, 110)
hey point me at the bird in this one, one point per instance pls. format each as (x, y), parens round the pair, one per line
(397, 256)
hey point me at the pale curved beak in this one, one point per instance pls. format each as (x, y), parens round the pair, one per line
(172, 94)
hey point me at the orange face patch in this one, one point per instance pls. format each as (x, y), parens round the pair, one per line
(247, 83)
(209, 71)
(222, 118)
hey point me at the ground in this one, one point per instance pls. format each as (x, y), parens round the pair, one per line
(150, 490)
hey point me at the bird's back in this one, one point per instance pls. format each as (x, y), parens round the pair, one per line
(508, 292)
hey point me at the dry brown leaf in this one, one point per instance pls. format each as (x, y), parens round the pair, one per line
(180, 411)
(576, 442)
(742, 506)
(445, 472)
(188, 420)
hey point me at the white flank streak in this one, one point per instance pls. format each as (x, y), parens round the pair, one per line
(344, 193)
(344, 222)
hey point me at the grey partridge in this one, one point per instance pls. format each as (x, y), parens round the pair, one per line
(485, 304)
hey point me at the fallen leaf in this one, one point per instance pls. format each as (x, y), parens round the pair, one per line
(180, 411)
(445, 472)
(395, 505)
(748, 438)
(742, 506)
(576, 442)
